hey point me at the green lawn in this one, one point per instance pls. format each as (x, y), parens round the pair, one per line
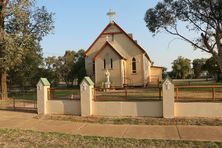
(129, 94)
(23, 95)
(65, 94)
(22, 138)
(59, 94)
(193, 82)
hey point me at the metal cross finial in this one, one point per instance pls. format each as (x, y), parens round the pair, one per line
(111, 14)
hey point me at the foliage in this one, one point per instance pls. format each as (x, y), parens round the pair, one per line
(164, 72)
(79, 66)
(211, 66)
(198, 67)
(66, 64)
(202, 17)
(22, 27)
(181, 68)
(68, 67)
(25, 25)
(27, 72)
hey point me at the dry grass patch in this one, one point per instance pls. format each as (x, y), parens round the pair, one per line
(23, 138)
(137, 120)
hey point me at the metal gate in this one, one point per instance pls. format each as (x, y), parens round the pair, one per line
(24, 100)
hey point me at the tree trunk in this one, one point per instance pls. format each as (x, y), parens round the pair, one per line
(3, 73)
(220, 64)
(4, 85)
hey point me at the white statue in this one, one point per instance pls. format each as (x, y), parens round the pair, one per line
(107, 83)
(107, 74)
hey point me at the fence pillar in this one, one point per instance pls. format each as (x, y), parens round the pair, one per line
(168, 98)
(42, 95)
(86, 94)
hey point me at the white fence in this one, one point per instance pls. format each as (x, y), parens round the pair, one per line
(87, 105)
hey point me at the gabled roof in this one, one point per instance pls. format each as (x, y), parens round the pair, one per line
(157, 67)
(114, 23)
(44, 82)
(88, 81)
(112, 47)
(119, 49)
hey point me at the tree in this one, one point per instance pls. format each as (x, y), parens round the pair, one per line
(211, 66)
(198, 67)
(181, 67)
(164, 72)
(22, 27)
(66, 70)
(26, 73)
(202, 17)
(79, 66)
(62, 66)
(68, 67)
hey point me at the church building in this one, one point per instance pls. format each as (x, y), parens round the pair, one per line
(126, 61)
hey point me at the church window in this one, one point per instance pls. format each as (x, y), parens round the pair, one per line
(133, 65)
(111, 63)
(93, 67)
(104, 63)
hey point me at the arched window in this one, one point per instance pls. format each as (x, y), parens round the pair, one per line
(111, 63)
(133, 65)
(94, 67)
(104, 63)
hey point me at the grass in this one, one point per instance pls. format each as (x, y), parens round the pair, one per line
(6, 102)
(137, 120)
(24, 138)
(63, 94)
(32, 95)
(193, 82)
(132, 94)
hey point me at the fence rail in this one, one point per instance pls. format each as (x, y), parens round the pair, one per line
(63, 94)
(198, 93)
(128, 94)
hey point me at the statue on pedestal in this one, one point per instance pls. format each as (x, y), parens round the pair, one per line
(107, 83)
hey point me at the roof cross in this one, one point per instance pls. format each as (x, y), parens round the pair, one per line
(111, 14)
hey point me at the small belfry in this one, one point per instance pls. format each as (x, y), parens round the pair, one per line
(111, 14)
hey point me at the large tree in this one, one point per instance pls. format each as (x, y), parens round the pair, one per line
(202, 17)
(79, 66)
(68, 67)
(211, 66)
(27, 72)
(181, 68)
(22, 27)
(198, 66)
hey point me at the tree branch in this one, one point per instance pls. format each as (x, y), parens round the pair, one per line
(186, 39)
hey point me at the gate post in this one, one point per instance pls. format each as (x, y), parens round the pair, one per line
(42, 95)
(168, 98)
(86, 94)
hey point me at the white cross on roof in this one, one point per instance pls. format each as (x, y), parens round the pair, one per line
(111, 14)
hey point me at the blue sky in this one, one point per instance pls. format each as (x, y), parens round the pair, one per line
(79, 22)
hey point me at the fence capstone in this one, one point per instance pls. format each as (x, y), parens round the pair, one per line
(86, 95)
(42, 95)
(168, 98)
